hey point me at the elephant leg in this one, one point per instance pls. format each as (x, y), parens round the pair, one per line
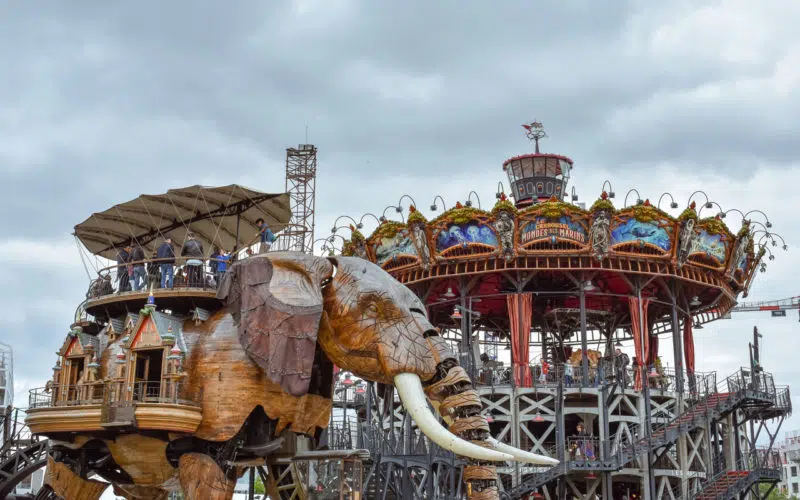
(67, 484)
(202, 479)
(460, 405)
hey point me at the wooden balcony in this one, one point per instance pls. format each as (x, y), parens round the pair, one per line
(103, 406)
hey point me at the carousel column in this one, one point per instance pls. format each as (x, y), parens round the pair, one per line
(677, 347)
(650, 483)
(677, 351)
(584, 342)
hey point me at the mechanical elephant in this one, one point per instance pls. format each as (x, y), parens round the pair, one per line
(263, 365)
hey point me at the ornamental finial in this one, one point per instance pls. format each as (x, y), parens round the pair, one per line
(535, 131)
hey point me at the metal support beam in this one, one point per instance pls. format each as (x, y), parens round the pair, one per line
(651, 479)
(584, 345)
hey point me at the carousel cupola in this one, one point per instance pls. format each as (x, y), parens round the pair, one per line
(537, 177)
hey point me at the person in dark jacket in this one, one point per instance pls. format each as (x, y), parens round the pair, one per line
(153, 279)
(124, 281)
(166, 260)
(193, 250)
(139, 274)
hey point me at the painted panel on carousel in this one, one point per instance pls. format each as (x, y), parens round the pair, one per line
(465, 234)
(709, 245)
(553, 229)
(395, 247)
(656, 232)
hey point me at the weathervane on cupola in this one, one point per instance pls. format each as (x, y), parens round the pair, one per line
(535, 131)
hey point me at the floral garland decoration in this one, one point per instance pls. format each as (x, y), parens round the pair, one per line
(714, 225)
(744, 229)
(388, 229)
(602, 203)
(504, 205)
(415, 216)
(689, 213)
(555, 208)
(646, 212)
(460, 214)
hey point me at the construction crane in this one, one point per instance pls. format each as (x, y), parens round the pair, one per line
(777, 308)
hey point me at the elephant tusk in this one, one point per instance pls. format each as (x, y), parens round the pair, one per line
(521, 455)
(409, 388)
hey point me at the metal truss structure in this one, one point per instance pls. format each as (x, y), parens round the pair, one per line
(20, 452)
(301, 182)
(702, 442)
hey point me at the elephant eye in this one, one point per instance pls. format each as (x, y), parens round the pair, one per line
(418, 311)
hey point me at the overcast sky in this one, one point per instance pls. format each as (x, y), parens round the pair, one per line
(103, 101)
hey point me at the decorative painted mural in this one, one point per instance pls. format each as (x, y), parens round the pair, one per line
(712, 245)
(398, 245)
(742, 264)
(470, 232)
(543, 228)
(632, 230)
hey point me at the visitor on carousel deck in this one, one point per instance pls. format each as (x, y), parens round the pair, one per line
(139, 274)
(166, 259)
(222, 265)
(267, 237)
(193, 249)
(123, 279)
(153, 278)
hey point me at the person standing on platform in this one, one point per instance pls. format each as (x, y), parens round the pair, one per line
(568, 374)
(193, 250)
(123, 279)
(266, 236)
(139, 274)
(166, 261)
(222, 265)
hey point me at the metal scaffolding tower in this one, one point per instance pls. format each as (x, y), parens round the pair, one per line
(6, 375)
(301, 180)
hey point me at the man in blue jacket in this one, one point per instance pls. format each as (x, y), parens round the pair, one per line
(267, 237)
(166, 259)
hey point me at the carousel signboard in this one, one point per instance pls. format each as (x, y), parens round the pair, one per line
(562, 228)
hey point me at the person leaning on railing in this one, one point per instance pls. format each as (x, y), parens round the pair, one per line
(166, 259)
(266, 236)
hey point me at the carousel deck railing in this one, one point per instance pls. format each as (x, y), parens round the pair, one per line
(96, 393)
(662, 381)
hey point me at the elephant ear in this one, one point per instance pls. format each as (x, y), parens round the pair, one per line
(276, 303)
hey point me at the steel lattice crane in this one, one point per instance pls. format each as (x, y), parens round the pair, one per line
(777, 308)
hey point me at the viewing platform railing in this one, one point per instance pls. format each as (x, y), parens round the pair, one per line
(144, 275)
(95, 393)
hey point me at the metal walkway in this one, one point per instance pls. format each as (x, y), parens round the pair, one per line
(21, 453)
(709, 403)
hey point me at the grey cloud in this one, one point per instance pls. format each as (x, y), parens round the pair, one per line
(101, 102)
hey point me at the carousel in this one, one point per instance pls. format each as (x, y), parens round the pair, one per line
(567, 288)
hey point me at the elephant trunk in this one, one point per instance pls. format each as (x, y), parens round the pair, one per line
(460, 406)
(468, 433)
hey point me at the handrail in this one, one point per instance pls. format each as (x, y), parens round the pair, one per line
(105, 392)
(144, 275)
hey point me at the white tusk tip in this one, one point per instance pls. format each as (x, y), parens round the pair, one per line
(521, 455)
